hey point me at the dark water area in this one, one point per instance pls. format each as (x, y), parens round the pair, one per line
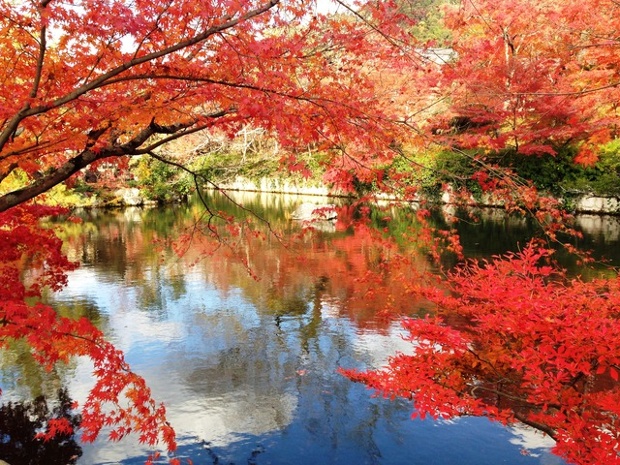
(247, 366)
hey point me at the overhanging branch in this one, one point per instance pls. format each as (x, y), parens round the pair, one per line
(113, 149)
(28, 111)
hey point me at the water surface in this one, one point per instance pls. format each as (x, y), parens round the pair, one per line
(247, 365)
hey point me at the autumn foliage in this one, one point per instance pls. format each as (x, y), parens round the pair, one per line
(533, 76)
(515, 339)
(119, 401)
(88, 82)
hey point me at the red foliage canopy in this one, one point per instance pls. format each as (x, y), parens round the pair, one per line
(532, 75)
(85, 81)
(515, 339)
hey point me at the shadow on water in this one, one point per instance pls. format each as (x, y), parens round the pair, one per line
(21, 421)
(488, 232)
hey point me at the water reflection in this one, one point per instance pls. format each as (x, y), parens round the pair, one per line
(247, 368)
(21, 421)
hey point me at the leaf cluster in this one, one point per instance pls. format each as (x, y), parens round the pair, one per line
(532, 77)
(515, 340)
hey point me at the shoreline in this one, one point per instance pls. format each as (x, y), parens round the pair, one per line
(132, 196)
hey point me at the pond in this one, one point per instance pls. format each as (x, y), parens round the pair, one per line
(247, 365)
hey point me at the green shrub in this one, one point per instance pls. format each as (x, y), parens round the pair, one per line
(560, 175)
(160, 181)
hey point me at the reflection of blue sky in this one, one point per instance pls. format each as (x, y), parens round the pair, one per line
(234, 375)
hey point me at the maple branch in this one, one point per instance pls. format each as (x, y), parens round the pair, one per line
(186, 131)
(50, 180)
(27, 111)
(517, 180)
(153, 29)
(90, 155)
(40, 60)
(373, 27)
(104, 78)
(302, 96)
(536, 425)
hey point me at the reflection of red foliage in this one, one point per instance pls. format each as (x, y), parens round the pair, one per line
(119, 398)
(522, 343)
(358, 272)
(368, 275)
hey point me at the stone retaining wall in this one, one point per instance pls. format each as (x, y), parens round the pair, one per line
(600, 205)
(583, 204)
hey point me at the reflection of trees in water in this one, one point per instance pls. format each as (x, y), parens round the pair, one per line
(348, 270)
(260, 375)
(21, 421)
(134, 244)
(134, 248)
(22, 375)
(244, 372)
(130, 246)
(486, 232)
(264, 369)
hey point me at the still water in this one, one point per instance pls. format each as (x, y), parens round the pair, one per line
(246, 365)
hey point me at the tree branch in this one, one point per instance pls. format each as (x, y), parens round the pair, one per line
(90, 155)
(104, 78)
(27, 111)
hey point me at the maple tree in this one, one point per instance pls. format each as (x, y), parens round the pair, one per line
(514, 339)
(100, 80)
(92, 81)
(532, 76)
(32, 260)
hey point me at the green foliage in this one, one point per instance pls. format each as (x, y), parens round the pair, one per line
(417, 166)
(456, 168)
(560, 175)
(77, 196)
(160, 181)
(545, 171)
(430, 171)
(226, 165)
(82, 187)
(429, 15)
(556, 174)
(603, 178)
